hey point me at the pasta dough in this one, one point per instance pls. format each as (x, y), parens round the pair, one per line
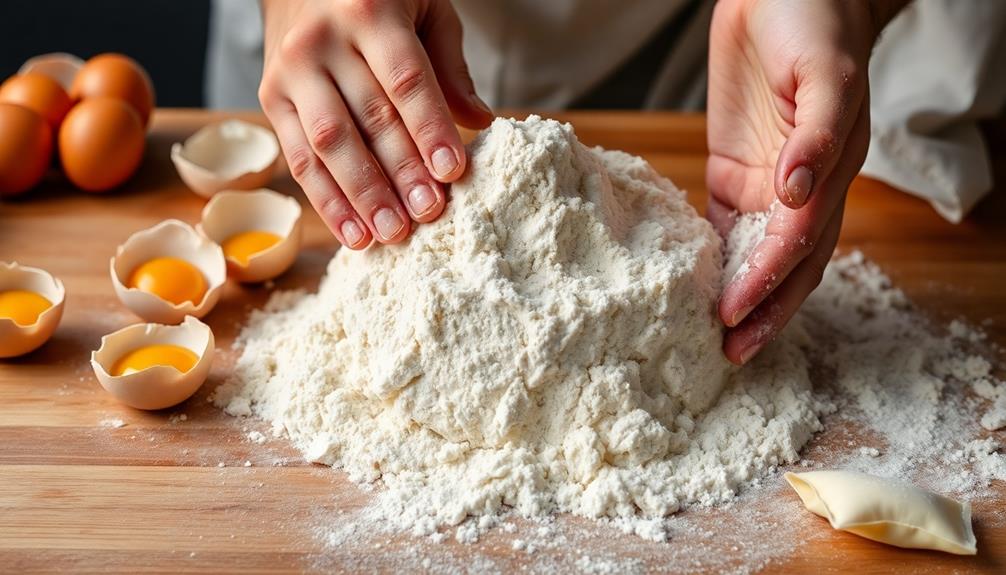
(887, 511)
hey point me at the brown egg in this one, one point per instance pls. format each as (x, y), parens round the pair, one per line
(101, 143)
(25, 149)
(115, 76)
(39, 93)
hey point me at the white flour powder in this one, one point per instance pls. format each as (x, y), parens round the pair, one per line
(550, 344)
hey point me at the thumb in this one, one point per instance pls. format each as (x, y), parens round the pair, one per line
(828, 98)
(441, 34)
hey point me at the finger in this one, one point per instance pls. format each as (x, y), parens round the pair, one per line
(735, 184)
(400, 64)
(721, 216)
(441, 34)
(792, 234)
(744, 341)
(322, 191)
(828, 98)
(382, 129)
(337, 142)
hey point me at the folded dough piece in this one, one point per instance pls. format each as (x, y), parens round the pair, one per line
(887, 511)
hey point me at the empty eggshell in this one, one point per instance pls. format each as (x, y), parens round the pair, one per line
(170, 238)
(59, 66)
(229, 155)
(17, 339)
(160, 386)
(229, 213)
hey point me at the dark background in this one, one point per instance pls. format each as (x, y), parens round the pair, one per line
(167, 36)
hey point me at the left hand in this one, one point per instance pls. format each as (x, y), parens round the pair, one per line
(789, 120)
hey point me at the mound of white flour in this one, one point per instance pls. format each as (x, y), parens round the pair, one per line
(549, 344)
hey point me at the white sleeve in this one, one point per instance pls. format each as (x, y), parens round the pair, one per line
(936, 71)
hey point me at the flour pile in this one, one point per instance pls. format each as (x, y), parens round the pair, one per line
(549, 344)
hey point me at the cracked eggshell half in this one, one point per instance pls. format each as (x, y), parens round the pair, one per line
(59, 66)
(17, 339)
(230, 213)
(176, 239)
(229, 155)
(160, 386)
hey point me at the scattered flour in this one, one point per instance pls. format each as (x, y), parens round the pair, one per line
(115, 423)
(550, 345)
(256, 437)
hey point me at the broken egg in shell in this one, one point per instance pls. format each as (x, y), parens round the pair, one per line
(259, 231)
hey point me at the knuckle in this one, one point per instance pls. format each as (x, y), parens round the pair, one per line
(366, 193)
(301, 162)
(333, 206)
(304, 40)
(267, 92)
(378, 116)
(848, 69)
(805, 246)
(409, 168)
(330, 134)
(407, 80)
(827, 138)
(429, 130)
(361, 10)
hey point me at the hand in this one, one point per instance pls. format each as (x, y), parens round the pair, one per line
(361, 94)
(789, 126)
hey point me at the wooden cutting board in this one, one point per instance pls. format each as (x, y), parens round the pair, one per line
(165, 494)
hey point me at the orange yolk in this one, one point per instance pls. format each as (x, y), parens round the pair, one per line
(172, 279)
(22, 306)
(242, 246)
(170, 355)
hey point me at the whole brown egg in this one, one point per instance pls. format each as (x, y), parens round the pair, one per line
(115, 76)
(25, 148)
(39, 93)
(101, 143)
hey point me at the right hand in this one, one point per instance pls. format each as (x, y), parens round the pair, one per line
(363, 95)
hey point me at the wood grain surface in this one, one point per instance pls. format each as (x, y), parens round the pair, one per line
(165, 495)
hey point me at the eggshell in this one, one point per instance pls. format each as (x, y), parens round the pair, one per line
(16, 339)
(229, 155)
(59, 66)
(170, 238)
(161, 386)
(229, 213)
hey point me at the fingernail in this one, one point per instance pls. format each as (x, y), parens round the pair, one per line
(740, 315)
(798, 185)
(480, 103)
(422, 199)
(750, 352)
(351, 232)
(445, 162)
(388, 223)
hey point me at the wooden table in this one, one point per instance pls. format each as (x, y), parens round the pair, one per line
(161, 494)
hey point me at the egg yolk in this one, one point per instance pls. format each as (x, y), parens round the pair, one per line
(22, 306)
(242, 246)
(146, 357)
(171, 279)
